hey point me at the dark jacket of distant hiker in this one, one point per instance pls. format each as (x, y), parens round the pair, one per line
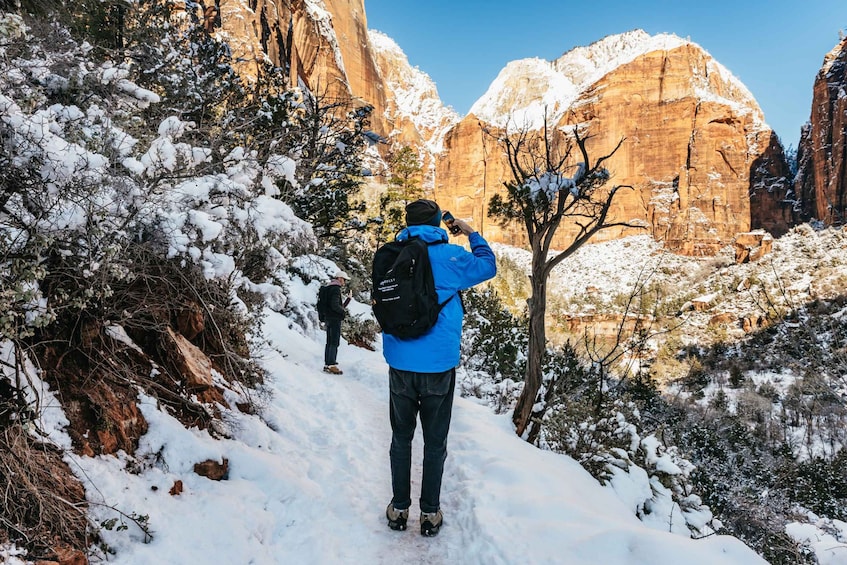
(335, 308)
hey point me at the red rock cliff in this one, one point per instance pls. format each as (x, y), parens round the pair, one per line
(821, 183)
(703, 163)
(323, 42)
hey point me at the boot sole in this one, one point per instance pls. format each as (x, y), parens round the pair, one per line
(430, 530)
(398, 525)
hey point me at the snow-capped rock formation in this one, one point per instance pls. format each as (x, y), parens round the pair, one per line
(703, 163)
(412, 101)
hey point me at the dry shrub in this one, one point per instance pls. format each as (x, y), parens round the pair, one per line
(43, 503)
(160, 291)
(89, 368)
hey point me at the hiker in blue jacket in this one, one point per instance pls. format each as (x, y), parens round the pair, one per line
(422, 370)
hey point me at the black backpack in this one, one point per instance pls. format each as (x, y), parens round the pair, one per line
(404, 299)
(323, 303)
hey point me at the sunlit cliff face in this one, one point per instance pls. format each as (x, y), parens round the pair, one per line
(694, 141)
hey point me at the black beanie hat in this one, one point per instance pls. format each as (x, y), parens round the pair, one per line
(422, 212)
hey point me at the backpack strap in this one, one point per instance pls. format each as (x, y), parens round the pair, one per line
(443, 304)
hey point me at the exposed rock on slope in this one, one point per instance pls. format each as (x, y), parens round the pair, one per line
(821, 183)
(703, 164)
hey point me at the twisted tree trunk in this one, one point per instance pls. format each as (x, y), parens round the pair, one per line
(537, 303)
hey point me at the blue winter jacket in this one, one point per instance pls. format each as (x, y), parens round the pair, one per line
(454, 269)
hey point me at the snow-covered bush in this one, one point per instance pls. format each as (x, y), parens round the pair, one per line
(134, 192)
(329, 142)
(493, 350)
(597, 422)
(360, 330)
(79, 189)
(651, 478)
(494, 339)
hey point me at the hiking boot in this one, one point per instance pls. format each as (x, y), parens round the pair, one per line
(431, 523)
(396, 518)
(333, 369)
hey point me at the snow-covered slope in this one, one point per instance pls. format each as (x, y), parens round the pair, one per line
(523, 91)
(414, 92)
(309, 480)
(584, 65)
(805, 265)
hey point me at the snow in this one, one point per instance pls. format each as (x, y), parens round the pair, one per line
(51, 417)
(117, 76)
(830, 59)
(505, 104)
(309, 473)
(550, 184)
(39, 136)
(414, 92)
(118, 333)
(591, 270)
(829, 548)
(585, 65)
(309, 480)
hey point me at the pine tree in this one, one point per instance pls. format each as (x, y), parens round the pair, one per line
(403, 187)
(404, 182)
(329, 139)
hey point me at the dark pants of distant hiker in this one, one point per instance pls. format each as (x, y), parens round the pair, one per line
(431, 394)
(333, 338)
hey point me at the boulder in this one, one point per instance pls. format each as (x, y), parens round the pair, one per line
(189, 360)
(177, 489)
(703, 303)
(722, 319)
(213, 470)
(752, 246)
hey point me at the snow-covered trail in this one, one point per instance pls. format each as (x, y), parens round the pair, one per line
(349, 413)
(309, 481)
(504, 501)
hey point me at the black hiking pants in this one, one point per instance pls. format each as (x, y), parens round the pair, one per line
(431, 395)
(333, 339)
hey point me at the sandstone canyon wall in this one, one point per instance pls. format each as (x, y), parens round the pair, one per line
(323, 43)
(413, 106)
(703, 164)
(821, 182)
(326, 45)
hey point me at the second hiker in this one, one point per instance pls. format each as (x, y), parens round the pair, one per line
(332, 311)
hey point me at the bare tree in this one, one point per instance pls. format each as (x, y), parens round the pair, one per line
(543, 196)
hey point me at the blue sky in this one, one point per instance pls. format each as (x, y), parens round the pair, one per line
(774, 47)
